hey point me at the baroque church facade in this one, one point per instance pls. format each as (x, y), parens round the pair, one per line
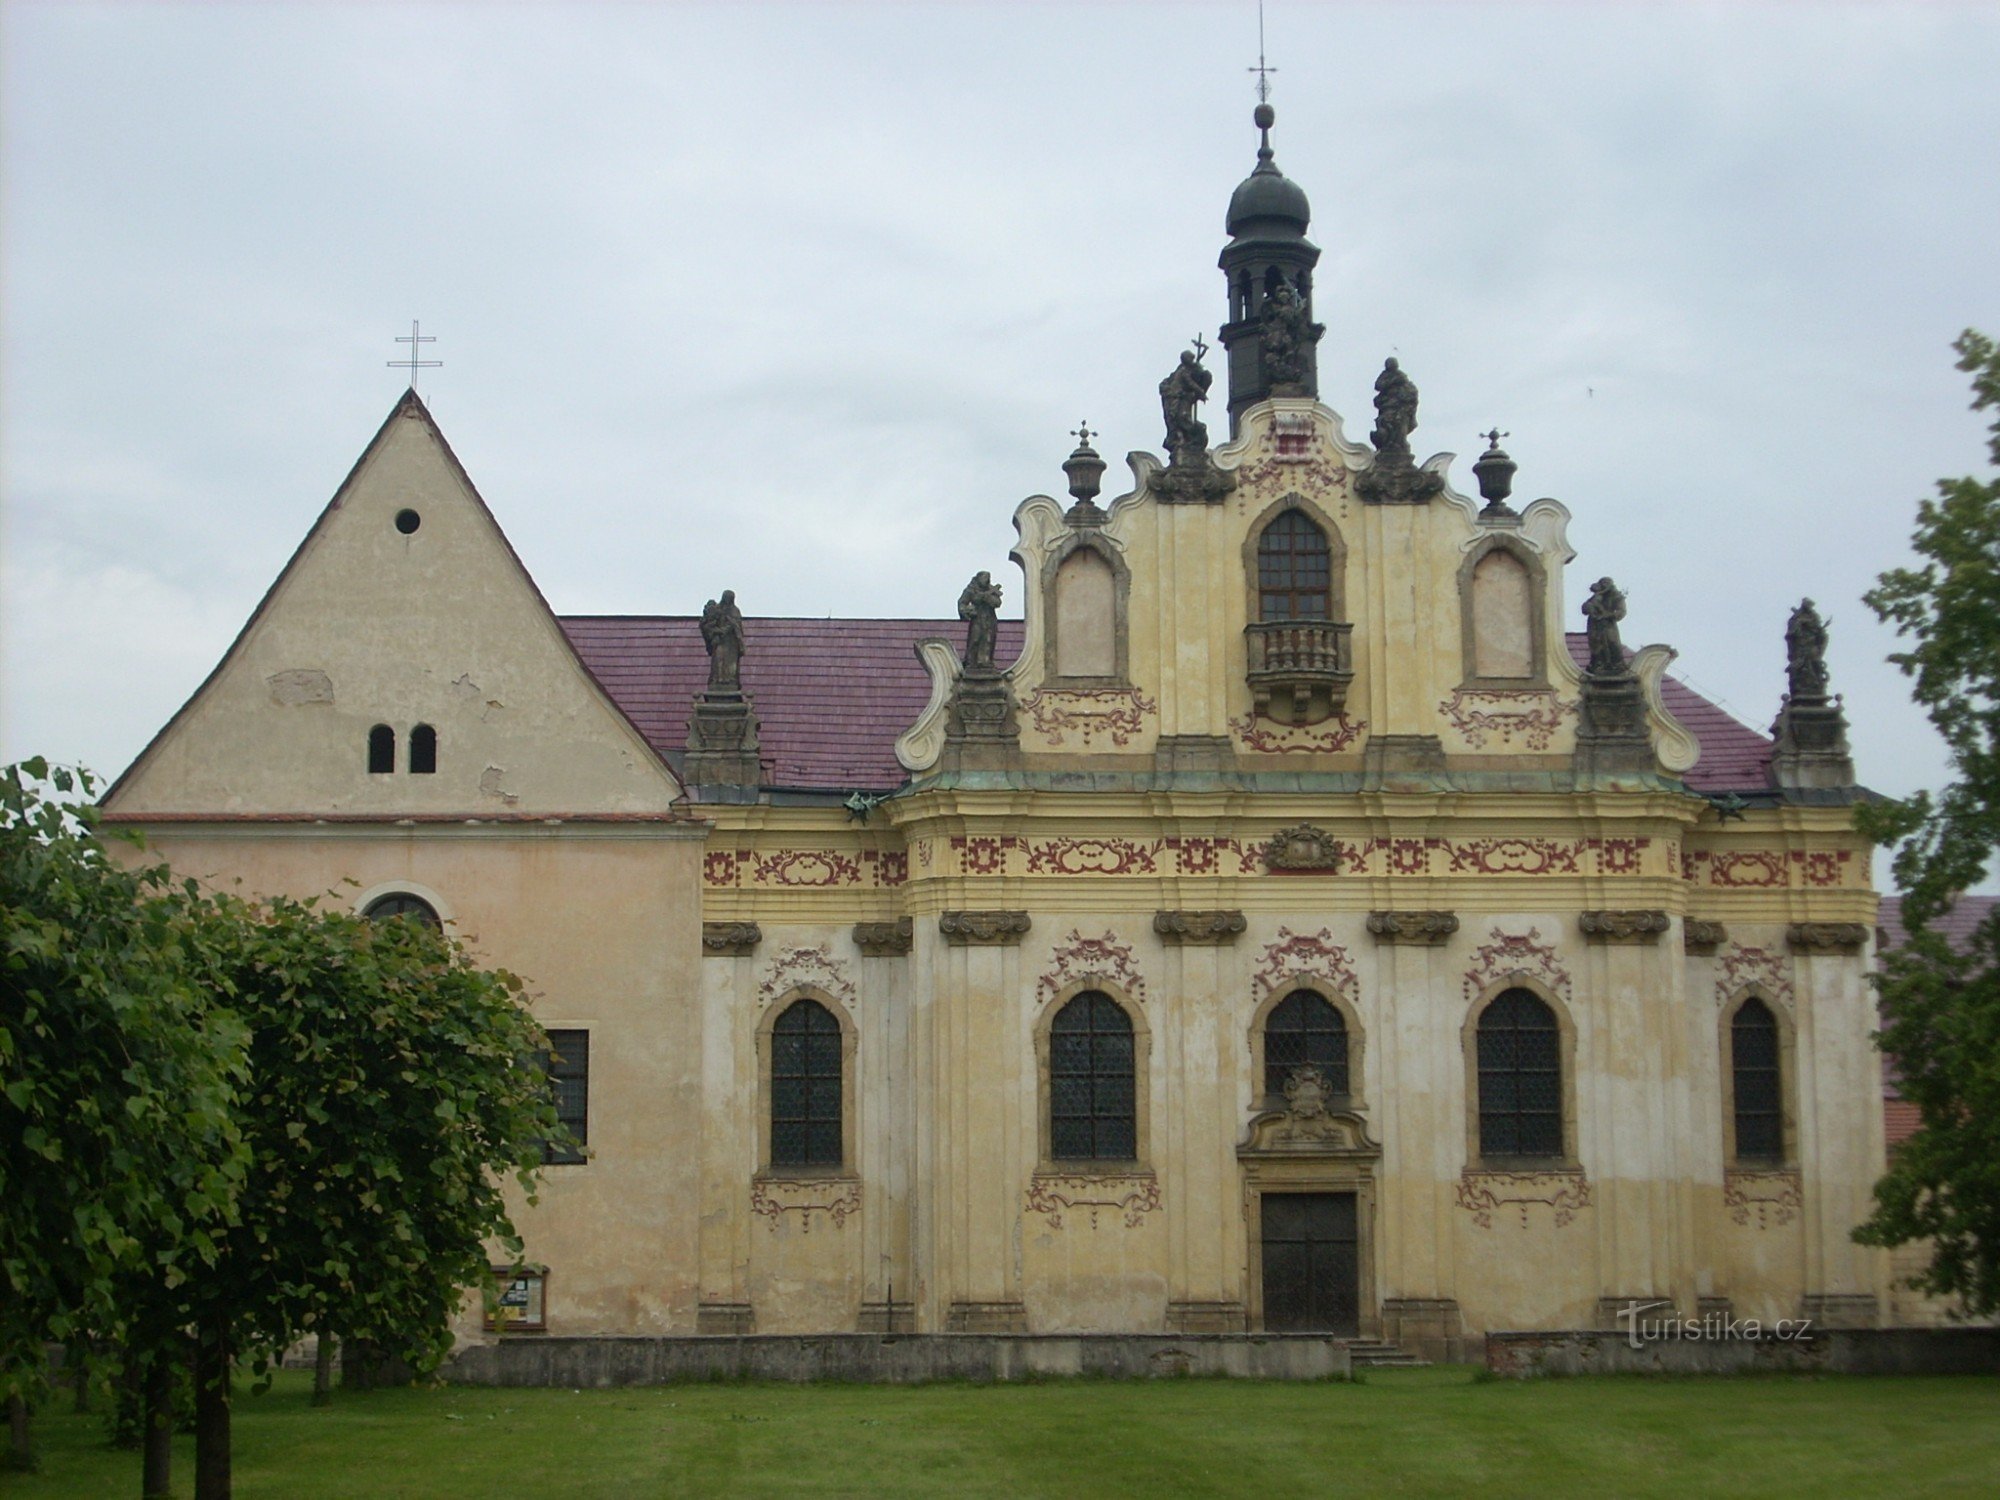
(1289, 924)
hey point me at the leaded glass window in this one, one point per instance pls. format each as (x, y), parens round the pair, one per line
(1092, 1093)
(1294, 570)
(1753, 1056)
(805, 1087)
(402, 904)
(1520, 1078)
(1305, 1031)
(567, 1063)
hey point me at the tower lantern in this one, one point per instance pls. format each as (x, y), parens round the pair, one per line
(1268, 264)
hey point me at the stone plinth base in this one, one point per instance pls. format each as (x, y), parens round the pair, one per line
(1845, 1351)
(722, 742)
(538, 1360)
(1428, 1327)
(986, 1317)
(1207, 1317)
(1840, 1309)
(725, 1318)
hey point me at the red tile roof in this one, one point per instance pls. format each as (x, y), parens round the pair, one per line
(833, 695)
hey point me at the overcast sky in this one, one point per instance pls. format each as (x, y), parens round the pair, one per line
(804, 300)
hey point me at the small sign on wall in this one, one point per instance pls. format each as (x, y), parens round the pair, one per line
(523, 1304)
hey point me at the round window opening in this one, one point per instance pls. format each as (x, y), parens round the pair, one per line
(408, 521)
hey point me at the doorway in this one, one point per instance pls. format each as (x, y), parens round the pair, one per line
(1311, 1263)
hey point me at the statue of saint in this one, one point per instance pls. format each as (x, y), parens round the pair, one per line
(979, 607)
(1395, 409)
(1601, 612)
(722, 634)
(1184, 389)
(1287, 335)
(1805, 652)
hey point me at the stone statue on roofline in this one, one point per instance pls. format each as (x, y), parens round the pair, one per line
(1191, 477)
(1185, 388)
(979, 607)
(1394, 478)
(722, 634)
(1287, 339)
(1601, 613)
(1805, 653)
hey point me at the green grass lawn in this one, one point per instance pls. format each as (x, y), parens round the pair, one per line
(1402, 1432)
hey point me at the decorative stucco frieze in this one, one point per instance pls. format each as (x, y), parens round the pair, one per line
(1529, 716)
(1483, 1194)
(1623, 926)
(1302, 847)
(1304, 960)
(1078, 960)
(983, 928)
(832, 1198)
(1740, 968)
(1762, 1199)
(1423, 928)
(1511, 956)
(1054, 1195)
(730, 939)
(885, 939)
(802, 968)
(1773, 869)
(1118, 715)
(805, 869)
(1269, 737)
(1826, 937)
(1216, 927)
(1702, 937)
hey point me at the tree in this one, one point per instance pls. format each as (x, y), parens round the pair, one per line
(1941, 1007)
(390, 1087)
(118, 1142)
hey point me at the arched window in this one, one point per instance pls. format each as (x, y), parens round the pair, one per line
(1305, 1031)
(423, 750)
(1294, 570)
(1753, 1061)
(805, 1087)
(1520, 1078)
(402, 904)
(1092, 1096)
(381, 750)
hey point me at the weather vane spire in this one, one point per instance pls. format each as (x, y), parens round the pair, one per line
(416, 340)
(1263, 73)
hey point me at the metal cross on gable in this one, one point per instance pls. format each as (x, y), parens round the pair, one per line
(416, 340)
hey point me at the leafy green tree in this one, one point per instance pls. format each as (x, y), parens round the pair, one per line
(390, 1091)
(118, 1142)
(1941, 1007)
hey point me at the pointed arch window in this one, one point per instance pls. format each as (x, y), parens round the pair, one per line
(1294, 570)
(423, 750)
(381, 750)
(805, 1087)
(1520, 1078)
(1305, 1030)
(1093, 1095)
(1753, 1061)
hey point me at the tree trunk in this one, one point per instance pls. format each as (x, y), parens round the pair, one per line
(22, 1455)
(211, 1410)
(78, 1360)
(156, 1441)
(323, 1370)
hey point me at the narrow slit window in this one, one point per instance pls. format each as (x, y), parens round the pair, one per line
(381, 750)
(1760, 1119)
(423, 750)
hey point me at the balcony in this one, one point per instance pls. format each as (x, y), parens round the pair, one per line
(1299, 669)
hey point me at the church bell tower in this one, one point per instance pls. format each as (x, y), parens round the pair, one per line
(1268, 264)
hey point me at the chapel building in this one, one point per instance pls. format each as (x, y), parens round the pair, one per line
(1289, 924)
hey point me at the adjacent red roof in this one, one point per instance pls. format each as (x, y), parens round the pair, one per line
(1900, 1118)
(833, 695)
